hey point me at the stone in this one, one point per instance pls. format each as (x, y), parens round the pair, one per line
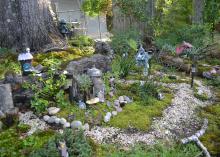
(78, 67)
(46, 118)
(76, 125)
(12, 111)
(117, 103)
(119, 109)
(86, 127)
(93, 101)
(39, 68)
(103, 48)
(121, 99)
(160, 96)
(51, 120)
(106, 119)
(6, 101)
(53, 110)
(57, 120)
(109, 114)
(62, 121)
(66, 125)
(126, 98)
(108, 103)
(82, 105)
(114, 113)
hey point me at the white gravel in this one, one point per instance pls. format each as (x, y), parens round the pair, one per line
(178, 120)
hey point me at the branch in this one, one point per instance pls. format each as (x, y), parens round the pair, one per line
(196, 136)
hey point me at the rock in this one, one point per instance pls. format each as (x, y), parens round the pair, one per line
(109, 114)
(14, 80)
(62, 121)
(6, 101)
(53, 110)
(114, 113)
(108, 103)
(121, 99)
(126, 98)
(76, 125)
(106, 119)
(160, 96)
(93, 101)
(117, 103)
(119, 109)
(57, 120)
(86, 127)
(66, 125)
(82, 105)
(39, 68)
(103, 48)
(52, 119)
(12, 111)
(46, 118)
(79, 67)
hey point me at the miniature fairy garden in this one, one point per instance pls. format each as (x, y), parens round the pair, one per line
(132, 95)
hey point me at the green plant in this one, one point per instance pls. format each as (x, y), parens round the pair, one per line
(84, 82)
(75, 141)
(47, 90)
(121, 66)
(125, 42)
(81, 41)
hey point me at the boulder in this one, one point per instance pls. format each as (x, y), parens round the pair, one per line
(6, 101)
(82, 65)
(53, 110)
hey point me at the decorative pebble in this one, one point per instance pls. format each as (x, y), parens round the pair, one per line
(62, 121)
(57, 120)
(46, 118)
(66, 125)
(76, 125)
(53, 110)
(114, 113)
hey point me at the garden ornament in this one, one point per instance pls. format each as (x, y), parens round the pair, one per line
(184, 46)
(63, 28)
(142, 59)
(63, 149)
(25, 58)
(82, 105)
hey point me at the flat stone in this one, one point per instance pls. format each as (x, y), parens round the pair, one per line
(93, 101)
(46, 118)
(53, 110)
(76, 125)
(62, 121)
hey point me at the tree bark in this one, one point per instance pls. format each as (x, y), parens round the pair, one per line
(28, 23)
(198, 7)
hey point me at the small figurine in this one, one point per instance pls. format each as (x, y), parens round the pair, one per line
(142, 59)
(82, 105)
(63, 149)
(63, 28)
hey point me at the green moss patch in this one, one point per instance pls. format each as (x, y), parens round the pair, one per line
(211, 139)
(139, 116)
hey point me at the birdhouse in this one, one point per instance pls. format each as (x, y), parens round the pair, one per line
(25, 58)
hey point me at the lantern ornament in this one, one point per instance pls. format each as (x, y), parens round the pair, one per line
(142, 59)
(63, 28)
(25, 58)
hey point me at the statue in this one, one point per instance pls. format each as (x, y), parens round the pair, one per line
(142, 59)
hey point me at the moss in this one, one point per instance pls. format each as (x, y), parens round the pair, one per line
(22, 128)
(211, 139)
(12, 145)
(139, 116)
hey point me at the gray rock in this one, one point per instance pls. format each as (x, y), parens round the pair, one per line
(121, 99)
(126, 98)
(106, 119)
(66, 125)
(2, 115)
(119, 109)
(6, 101)
(117, 103)
(108, 103)
(57, 120)
(62, 121)
(53, 110)
(103, 48)
(46, 118)
(79, 67)
(51, 119)
(76, 125)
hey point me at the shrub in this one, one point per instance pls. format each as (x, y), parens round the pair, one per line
(81, 41)
(125, 42)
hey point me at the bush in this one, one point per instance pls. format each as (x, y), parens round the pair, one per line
(125, 42)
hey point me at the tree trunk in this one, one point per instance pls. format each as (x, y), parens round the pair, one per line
(28, 23)
(198, 7)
